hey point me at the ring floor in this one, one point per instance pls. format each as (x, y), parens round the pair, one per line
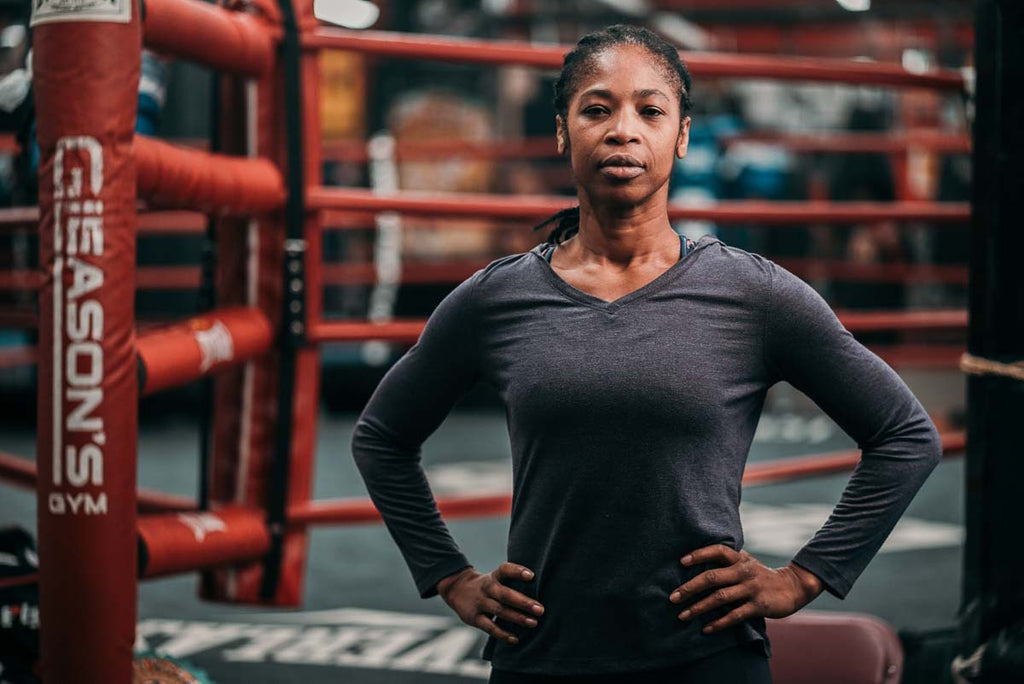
(363, 621)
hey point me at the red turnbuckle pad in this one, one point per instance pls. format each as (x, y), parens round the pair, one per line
(181, 542)
(173, 176)
(189, 350)
(217, 37)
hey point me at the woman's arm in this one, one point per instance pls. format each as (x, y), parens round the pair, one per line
(806, 345)
(410, 402)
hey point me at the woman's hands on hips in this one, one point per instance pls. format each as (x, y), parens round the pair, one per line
(754, 589)
(478, 598)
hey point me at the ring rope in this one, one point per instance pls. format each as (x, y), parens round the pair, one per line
(977, 365)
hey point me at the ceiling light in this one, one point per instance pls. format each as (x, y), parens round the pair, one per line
(353, 14)
(915, 61)
(855, 5)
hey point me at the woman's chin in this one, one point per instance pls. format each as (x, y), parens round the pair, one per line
(623, 198)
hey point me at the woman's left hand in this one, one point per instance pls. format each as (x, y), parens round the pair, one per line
(755, 589)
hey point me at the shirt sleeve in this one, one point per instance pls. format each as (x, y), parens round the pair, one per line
(807, 346)
(408, 405)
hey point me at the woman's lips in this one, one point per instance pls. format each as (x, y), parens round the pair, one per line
(622, 172)
(621, 166)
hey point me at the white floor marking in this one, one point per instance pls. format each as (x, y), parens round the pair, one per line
(383, 640)
(783, 530)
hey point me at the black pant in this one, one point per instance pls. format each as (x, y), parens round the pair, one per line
(742, 664)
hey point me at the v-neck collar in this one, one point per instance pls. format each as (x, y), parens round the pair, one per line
(612, 306)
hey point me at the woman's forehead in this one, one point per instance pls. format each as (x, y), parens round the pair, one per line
(627, 70)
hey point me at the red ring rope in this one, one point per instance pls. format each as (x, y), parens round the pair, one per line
(703, 64)
(534, 207)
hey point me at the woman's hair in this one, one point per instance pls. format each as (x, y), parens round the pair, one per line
(579, 62)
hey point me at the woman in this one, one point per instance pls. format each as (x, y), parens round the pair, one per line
(633, 365)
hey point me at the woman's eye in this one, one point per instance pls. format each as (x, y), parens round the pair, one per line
(651, 111)
(594, 110)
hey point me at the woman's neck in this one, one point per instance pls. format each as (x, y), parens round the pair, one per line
(624, 236)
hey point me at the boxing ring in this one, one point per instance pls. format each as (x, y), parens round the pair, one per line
(258, 196)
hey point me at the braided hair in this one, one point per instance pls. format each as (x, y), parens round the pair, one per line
(579, 62)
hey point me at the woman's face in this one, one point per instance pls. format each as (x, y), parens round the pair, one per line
(623, 128)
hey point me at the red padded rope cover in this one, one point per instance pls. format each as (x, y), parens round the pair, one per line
(86, 88)
(173, 176)
(179, 542)
(206, 33)
(180, 353)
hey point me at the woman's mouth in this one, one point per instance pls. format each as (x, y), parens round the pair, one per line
(621, 166)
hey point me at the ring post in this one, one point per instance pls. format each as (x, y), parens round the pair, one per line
(265, 415)
(993, 596)
(87, 65)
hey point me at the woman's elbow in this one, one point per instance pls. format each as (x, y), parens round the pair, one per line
(362, 445)
(936, 448)
(927, 443)
(375, 447)
(917, 440)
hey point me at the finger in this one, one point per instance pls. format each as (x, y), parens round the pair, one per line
(513, 598)
(719, 552)
(488, 606)
(735, 616)
(719, 598)
(516, 617)
(487, 625)
(513, 571)
(709, 579)
(492, 607)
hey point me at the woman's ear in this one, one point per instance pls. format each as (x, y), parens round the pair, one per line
(560, 135)
(684, 138)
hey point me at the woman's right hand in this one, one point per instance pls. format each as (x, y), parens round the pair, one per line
(477, 598)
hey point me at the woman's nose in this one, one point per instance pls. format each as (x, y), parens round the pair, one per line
(623, 128)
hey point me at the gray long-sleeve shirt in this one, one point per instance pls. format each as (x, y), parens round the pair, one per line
(630, 424)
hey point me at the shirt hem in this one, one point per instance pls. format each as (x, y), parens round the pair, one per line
(427, 584)
(829, 575)
(595, 666)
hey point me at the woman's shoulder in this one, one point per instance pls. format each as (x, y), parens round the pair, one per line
(510, 262)
(761, 278)
(507, 270)
(485, 285)
(732, 264)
